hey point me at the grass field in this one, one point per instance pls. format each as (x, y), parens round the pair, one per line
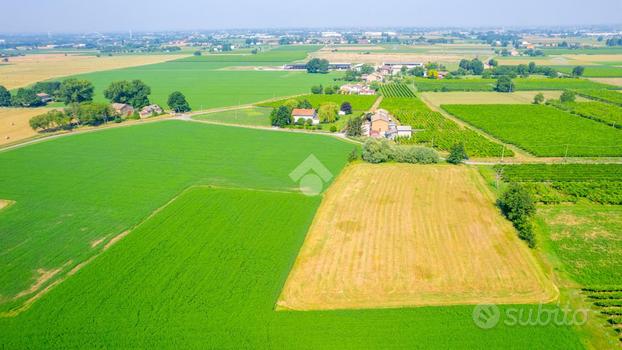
(74, 194)
(256, 116)
(587, 239)
(542, 130)
(27, 70)
(382, 235)
(202, 273)
(602, 112)
(14, 124)
(524, 84)
(594, 71)
(360, 103)
(614, 97)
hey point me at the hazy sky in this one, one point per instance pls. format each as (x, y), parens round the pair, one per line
(122, 15)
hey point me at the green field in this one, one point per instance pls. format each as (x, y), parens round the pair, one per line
(521, 84)
(360, 103)
(434, 130)
(255, 116)
(219, 80)
(607, 96)
(203, 274)
(396, 90)
(587, 239)
(603, 112)
(594, 71)
(73, 191)
(542, 130)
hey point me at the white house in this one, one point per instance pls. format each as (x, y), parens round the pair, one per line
(306, 114)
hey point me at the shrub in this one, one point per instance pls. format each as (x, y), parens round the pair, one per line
(380, 151)
(567, 96)
(333, 128)
(416, 155)
(377, 151)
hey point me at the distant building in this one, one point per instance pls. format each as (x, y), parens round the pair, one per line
(380, 122)
(45, 98)
(339, 66)
(306, 114)
(373, 77)
(356, 89)
(382, 125)
(298, 66)
(149, 111)
(123, 109)
(404, 131)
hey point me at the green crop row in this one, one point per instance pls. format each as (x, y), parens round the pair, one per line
(602, 95)
(396, 90)
(561, 172)
(598, 111)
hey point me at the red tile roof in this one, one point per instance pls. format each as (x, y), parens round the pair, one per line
(303, 112)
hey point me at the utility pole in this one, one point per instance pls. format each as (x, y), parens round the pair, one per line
(566, 152)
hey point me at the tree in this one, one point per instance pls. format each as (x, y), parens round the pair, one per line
(49, 120)
(457, 154)
(377, 151)
(493, 63)
(538, 99)
(476, 66)
(26, 98)
(317, 65)
(92, 113)
(465, 64)
(504, 84)
(418, 71)
(134, 92)
(197, 53)
(351, 75)
(517, 204)
(329, 90)
(317, 89)
(281, 117)
(75, 91)
(177, 102)
(328, 112)
(367, 69)
(291, 104)
(305, 104)
(346, 107)
(354, 127)
(5, 97)
(433, 74)
(578, 71)
(49, 87)
(532, 68)
(567, 96)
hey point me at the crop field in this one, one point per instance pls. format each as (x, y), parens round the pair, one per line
(609, 81)
(118, 177)
(614, 97)
(27, 70)
(599, 111)
(396, 90)
(202, 273)
(14, 123)
(594, 71)
(542, 130)
(433, 129)
(359, 102)
(255, 116)
(484, 97)
(357, 254)
(525, 84)
(587, 239)
(568, 183)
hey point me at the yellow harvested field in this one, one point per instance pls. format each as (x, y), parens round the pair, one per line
(485, 97)
(14, 123)
(26, 70)
(610, 81)
(397, 235)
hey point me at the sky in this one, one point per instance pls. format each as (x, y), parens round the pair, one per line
(30, 16)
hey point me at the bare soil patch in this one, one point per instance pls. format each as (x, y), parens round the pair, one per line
(406, 235)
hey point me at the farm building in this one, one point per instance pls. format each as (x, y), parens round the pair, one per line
(45, 98)
(305, 114)
(382, 125)
(357, 89)
(339, 66)
(373, 77)
(123, 109)
(392, 68)
(298, 66)
(381, 122)
(149, 111)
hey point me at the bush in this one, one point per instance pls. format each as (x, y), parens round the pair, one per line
(333, 128)
(380, 151)
(354, 155)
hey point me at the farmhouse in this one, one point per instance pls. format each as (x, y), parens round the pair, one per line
(149, 111)
(392, 68)
(339, 66)
(381, 122)
(373, 77)
(357, 89)
(45, 98)
(123, 109)
(305, 114)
